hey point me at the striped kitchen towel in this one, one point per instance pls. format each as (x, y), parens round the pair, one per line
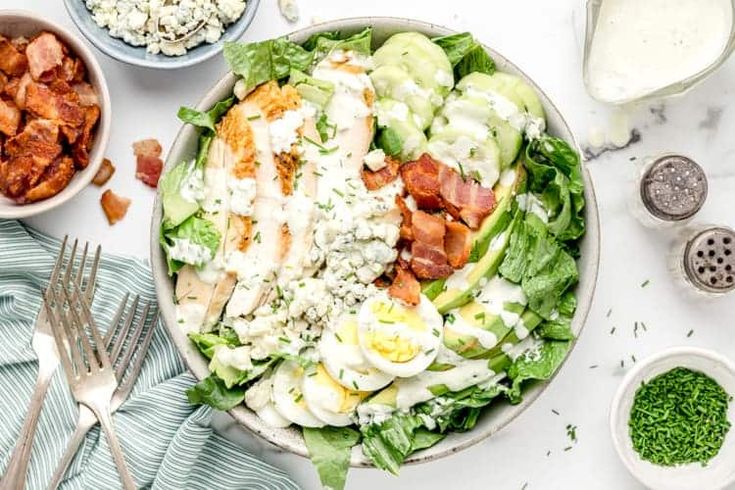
(168, 443)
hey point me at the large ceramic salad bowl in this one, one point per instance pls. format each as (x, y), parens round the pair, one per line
(582, 243)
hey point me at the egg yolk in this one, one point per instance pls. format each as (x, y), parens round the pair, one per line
(392, 347)
(348, 399)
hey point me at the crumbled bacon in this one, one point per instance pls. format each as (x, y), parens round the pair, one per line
(16, 89)
(81, 145)
(87, 95)
(148, 162)
(422, 181)
(405, 232)
(9, 117)
(55, 178)
(375, 180)
(12, 61)
(52, 104)
(465, 199)
(457, 243)
(114, 206)
(104, 173)
(71, 70)
(44, 53)
(405, 286)
(39, 144)
(428, 258)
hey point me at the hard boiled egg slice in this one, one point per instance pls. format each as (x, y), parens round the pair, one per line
(343, 358)
(289, 397)
(328, 400)
(396, 338)
(259, 398)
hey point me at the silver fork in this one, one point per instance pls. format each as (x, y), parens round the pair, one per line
(86, 418)
(48, 358)
(88, 369)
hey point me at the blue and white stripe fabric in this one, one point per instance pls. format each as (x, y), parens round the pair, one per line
(168, 443)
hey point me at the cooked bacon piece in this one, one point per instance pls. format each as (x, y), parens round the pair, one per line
(80, 148)
(422, 181)
(104, 173)
(405, 232)
(457, 243)
(16, 89)
(87, 95)
(375, 180)
(3, 81)
(428, 258)
(20, 43)
(405, 286)
(465, 199)
(14, 175)
(148, 161)
(37, 145)
(54, 180)
(12, 62)
(51, 104)
(44, 53)
(9, 118)
(71, 70)
(114, 206)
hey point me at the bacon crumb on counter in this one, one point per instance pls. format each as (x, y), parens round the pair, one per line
(428, 258)
(48, 111)
(457, 243)
(376, 180)
(148, 161)
(405, 286)
(104, 173)
(114, 206)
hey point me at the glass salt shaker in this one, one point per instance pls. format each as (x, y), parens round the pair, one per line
(702, 260)
(669, 191)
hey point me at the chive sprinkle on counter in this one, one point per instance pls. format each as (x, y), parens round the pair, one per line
(679, 417)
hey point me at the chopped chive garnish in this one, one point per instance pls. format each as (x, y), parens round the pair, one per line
(339, 339)
(645, 283)
(253, 117)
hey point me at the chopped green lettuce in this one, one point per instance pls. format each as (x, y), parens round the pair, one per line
(318, 92)
(205, 140)
(176, 209)
(206, 119)
(556, 177)
(465, 54)
(198, 231)
(539, 365)
(325, 129)
(212, 391)
(389, 141)
(329, 450)
(324, 43)
(206, 342)
(389, 443)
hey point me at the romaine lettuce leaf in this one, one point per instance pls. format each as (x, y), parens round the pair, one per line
(263, 61)
(176, 209)
(540, 365)
(213, 392)
(199, 232)
(324, 43)
(556, 177)
(389, 141)
(206, 342)
(318, 92)
(206, 119)
(465, 54)
(388, 443)
(545, 288)
(558, 329)
(329, 450)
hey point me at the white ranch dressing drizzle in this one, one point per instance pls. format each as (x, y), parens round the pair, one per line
(496, 293)
(640, 46)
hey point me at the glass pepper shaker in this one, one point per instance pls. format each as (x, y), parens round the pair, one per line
(670, 190)
(703, 260)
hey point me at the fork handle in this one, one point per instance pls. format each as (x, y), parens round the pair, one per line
(117, 453)
(15, 475)
(85, 421)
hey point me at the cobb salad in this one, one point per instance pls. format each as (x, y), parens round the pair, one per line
(373, 244)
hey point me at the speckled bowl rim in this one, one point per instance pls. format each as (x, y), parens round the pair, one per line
(115, 50)
(497, 415)
(102, 133)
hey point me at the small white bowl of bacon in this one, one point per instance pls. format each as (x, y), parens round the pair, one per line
(54, 115)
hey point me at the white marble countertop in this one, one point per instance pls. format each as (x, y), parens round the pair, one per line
(545, 39)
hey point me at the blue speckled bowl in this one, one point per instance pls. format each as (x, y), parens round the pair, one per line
(122, 51)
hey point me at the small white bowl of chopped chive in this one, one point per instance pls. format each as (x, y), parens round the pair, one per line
(671, 420)
(164, 34)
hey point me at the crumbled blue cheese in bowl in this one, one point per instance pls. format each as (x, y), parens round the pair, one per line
(170, 27)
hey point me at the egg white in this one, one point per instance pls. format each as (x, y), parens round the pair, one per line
(259, 398)
(343, 359)
(288, 395)
(409, 336)
(328, 400)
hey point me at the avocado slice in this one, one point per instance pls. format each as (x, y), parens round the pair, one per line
(497, 357)
(475, 314)
(492, 227)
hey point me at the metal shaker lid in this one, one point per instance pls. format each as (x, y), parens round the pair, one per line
(673, 188)
(709, 260)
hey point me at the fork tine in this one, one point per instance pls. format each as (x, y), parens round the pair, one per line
(123, 365)
(92, 280)
(58, 265)
(78, 325)
(114, 324)
(120, 341)
(70, 262)
(67, 332)
(79, 276)
(125, 387)
(101, 352)
(56, 329)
